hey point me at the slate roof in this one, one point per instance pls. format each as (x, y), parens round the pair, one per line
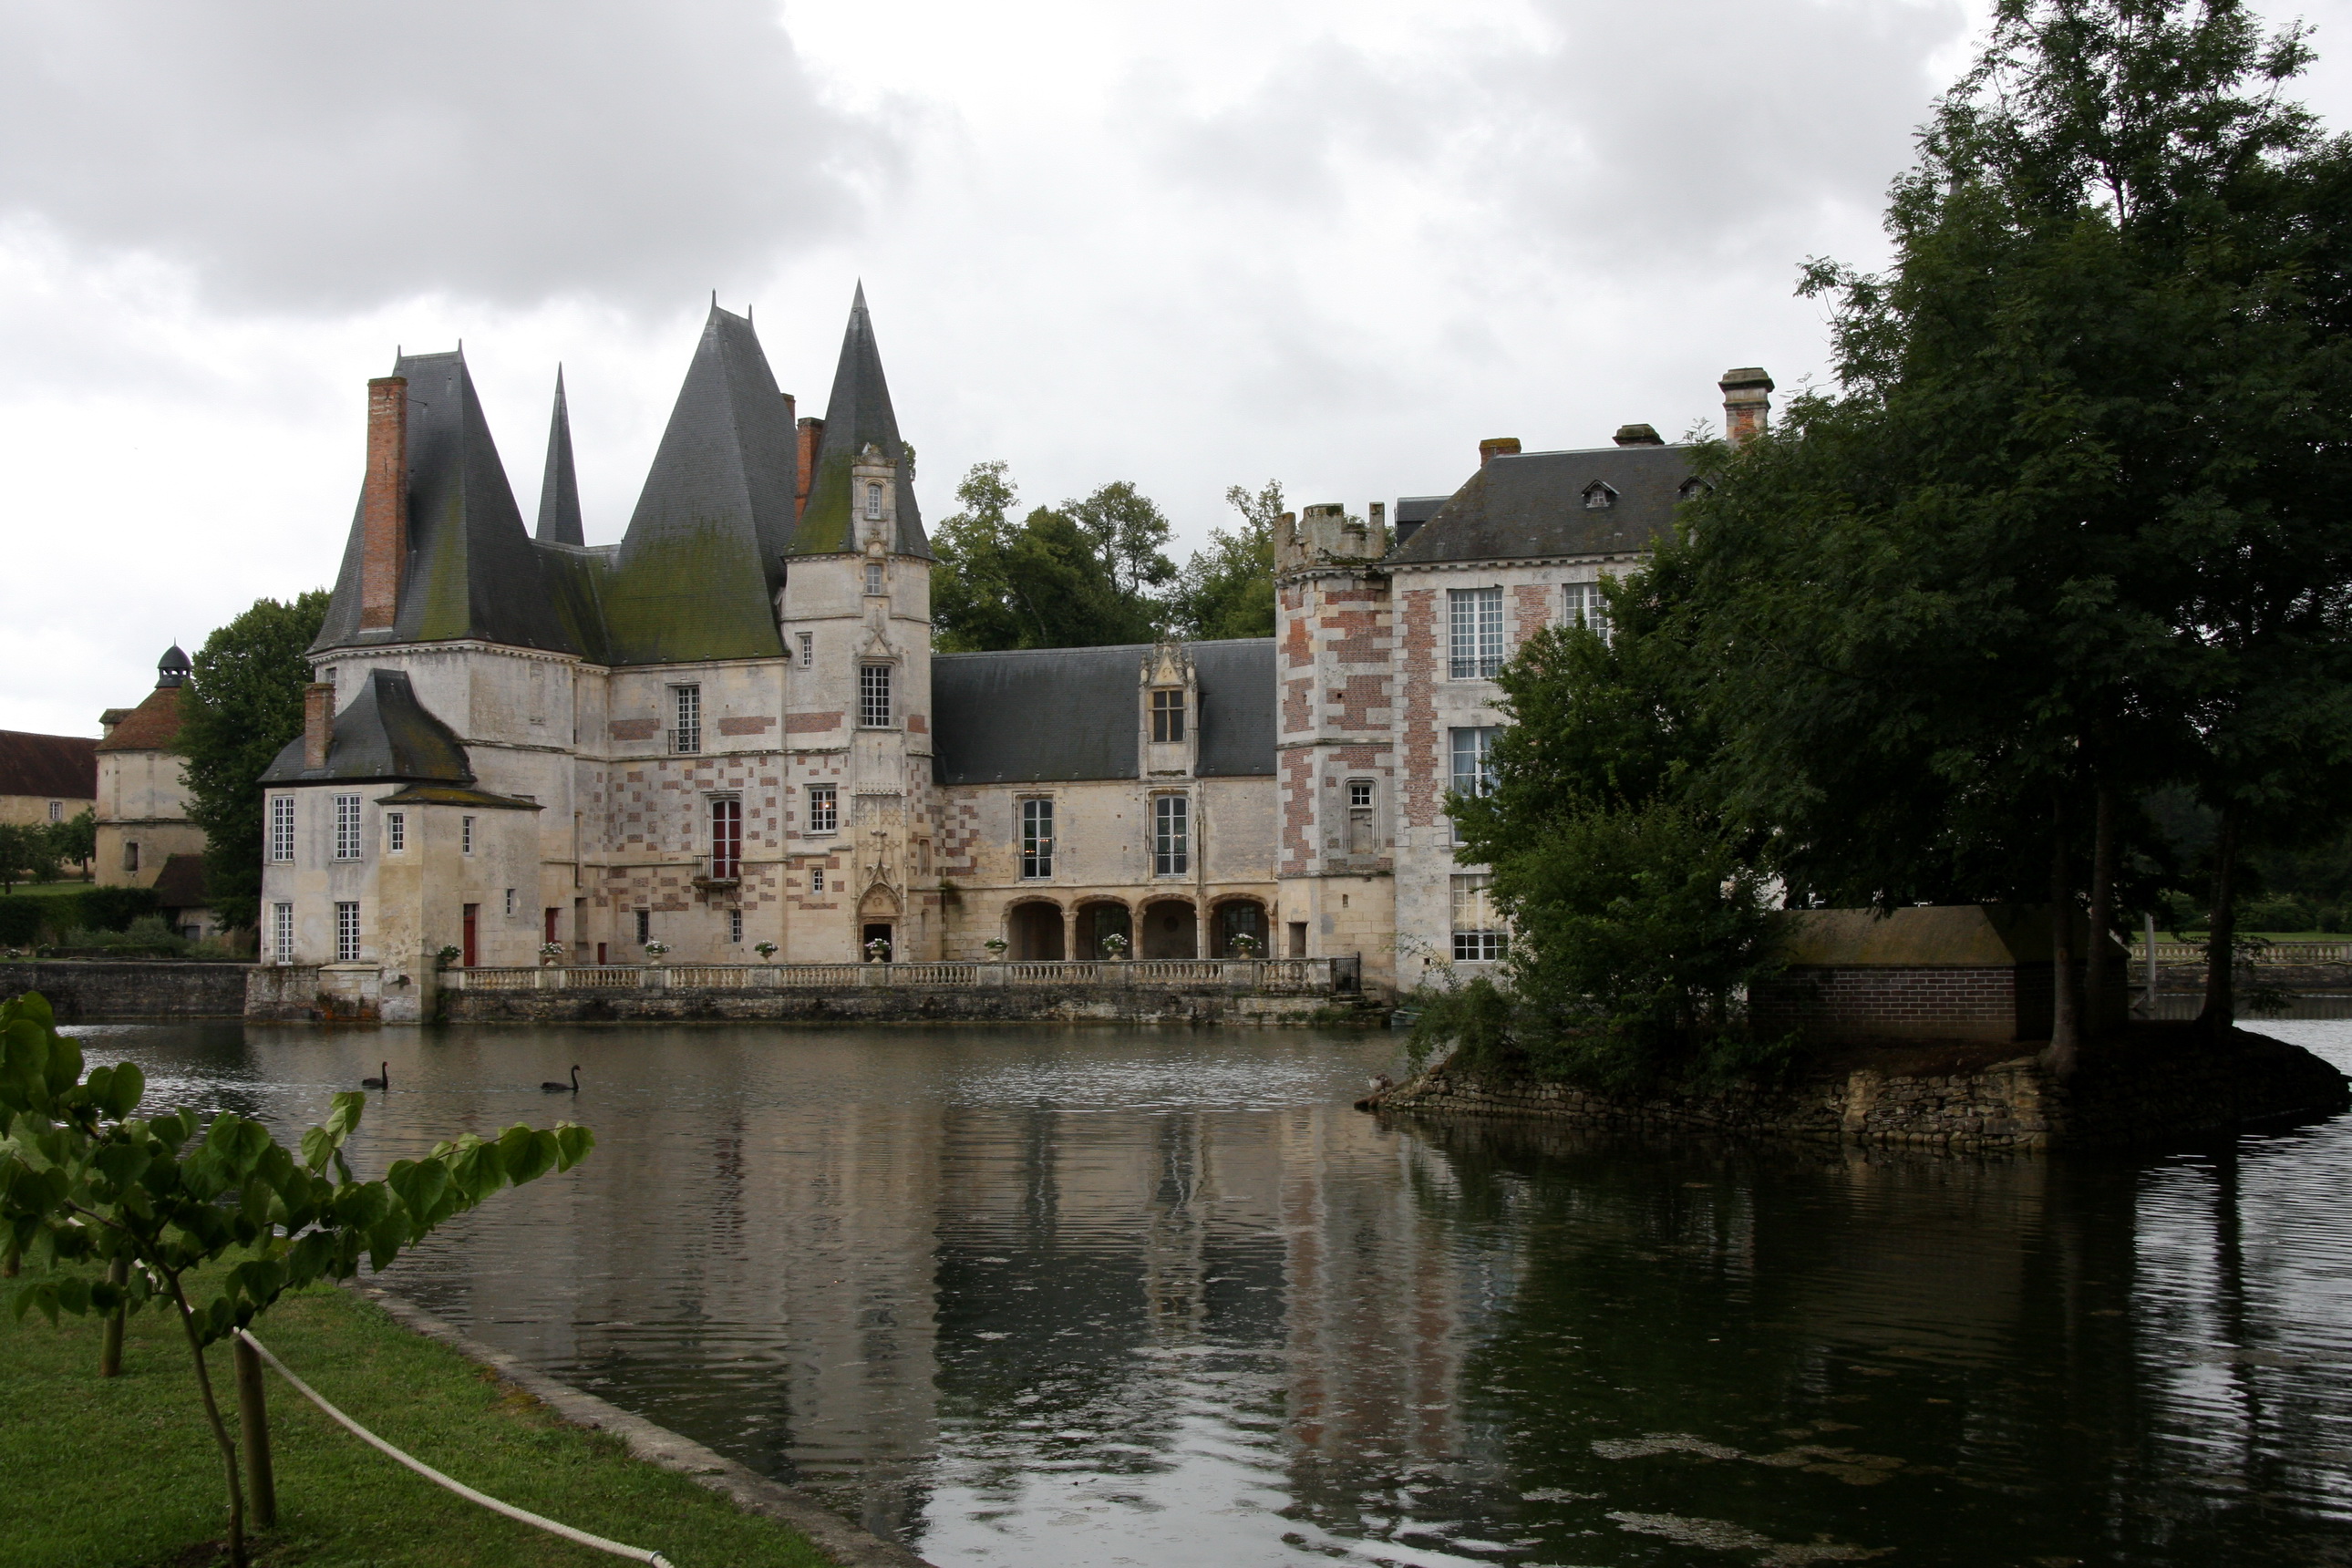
(857, 415)
(559, 486)
(1526, 505)
(696, 575)
(152, 726)
(471, 571)
(181, 883)
(60, 767)
(1065, 714)
(383, 733)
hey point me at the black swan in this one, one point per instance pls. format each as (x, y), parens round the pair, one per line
(383, 1082)
(572, 1087)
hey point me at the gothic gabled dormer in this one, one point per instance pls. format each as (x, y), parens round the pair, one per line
(559, 489)
(1168, 698)
(861, 452)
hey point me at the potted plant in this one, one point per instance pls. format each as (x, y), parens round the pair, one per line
(655, 950)
(551, 953)
(1114, 946)
(995, 946)
(879, 950)
(1245, 945)
(766, 949)
(446, 957)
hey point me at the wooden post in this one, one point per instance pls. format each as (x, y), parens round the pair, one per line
(109, 1343)
(253, 1427)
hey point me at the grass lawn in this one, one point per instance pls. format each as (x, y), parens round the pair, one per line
(46, 889)
(122, 1473)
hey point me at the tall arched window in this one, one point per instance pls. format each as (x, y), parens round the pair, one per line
(874, 503)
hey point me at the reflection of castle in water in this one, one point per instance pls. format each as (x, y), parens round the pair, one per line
(1006, 1294)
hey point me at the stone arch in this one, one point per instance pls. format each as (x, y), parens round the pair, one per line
(1033, 932)
(1171, 929)
(1098, 919)
(877, 921)
(1238, 915)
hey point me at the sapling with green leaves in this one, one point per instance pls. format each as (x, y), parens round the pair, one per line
(88, 1184)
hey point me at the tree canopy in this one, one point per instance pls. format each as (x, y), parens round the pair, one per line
(2065, 531)
(243, 704)
(1092, 572)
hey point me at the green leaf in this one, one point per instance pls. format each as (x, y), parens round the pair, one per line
(573, 1144)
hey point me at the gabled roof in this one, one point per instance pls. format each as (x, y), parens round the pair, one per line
(697, 576)
(1063, 714)
(1529, 505)
(62, 767)
(383, 733)
(181, 883)
(472, 572)
(152, 726)
(858, 416)
(559, 487)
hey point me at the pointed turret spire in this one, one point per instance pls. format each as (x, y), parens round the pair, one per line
(558, 490)
(858, 416)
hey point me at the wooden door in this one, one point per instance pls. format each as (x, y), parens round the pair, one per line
(473, 922)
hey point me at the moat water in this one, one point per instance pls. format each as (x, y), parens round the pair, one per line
(1064, 1297)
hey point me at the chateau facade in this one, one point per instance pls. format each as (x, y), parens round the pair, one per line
(730, 731)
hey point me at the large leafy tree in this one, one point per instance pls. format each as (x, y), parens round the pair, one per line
(1085, 575)
(242, 705)
(2069, 527)
(1227, 589)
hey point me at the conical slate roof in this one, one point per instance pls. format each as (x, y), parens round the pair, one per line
(858, 416)
(696, 575)
(471, 573)
(383, 733)
(558, 489)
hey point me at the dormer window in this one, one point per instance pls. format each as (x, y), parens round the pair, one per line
(873, 503)
(1599, 497)
(1692, 490)
(1167, 717)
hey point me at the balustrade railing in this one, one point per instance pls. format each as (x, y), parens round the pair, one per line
(2274, 952)
(1306, 975)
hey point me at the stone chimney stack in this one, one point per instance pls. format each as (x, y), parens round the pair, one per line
(1497, 446)
(384, 504)
(318, 722)
(1638, 435)
(1747, 403)
(811, 434)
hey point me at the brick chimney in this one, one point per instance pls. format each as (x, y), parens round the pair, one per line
(1638, 435)
(383, 503)
(318, 722)
(1747, 403)
(1497, 446)
(811, 431)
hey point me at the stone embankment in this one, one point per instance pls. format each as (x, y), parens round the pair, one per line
(909, 1005)
(2157, 1083)
(131, 988)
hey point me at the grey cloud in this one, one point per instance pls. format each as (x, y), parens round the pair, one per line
(322, 157)
(1657, 133)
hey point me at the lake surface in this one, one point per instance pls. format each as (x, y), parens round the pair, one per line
(1060, 1296)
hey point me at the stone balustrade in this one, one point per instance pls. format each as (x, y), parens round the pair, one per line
(1291, 977)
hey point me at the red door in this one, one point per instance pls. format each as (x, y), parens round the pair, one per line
(550, 926)
(473, 919)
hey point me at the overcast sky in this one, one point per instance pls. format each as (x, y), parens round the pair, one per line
(1331, 244)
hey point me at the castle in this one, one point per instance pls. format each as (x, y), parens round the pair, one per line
(728, 735)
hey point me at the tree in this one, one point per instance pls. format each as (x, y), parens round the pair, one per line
(1053, 580)
(1639, 917)
(1227, 589)
(28, 850)
(76, 838)
(242, 705)
(2069, 527)
(85, 1180)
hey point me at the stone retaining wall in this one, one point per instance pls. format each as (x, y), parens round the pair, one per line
(859, 1004)
(82, 990)
(2161, 1082)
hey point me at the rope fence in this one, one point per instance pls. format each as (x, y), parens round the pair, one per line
(596, 1543)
